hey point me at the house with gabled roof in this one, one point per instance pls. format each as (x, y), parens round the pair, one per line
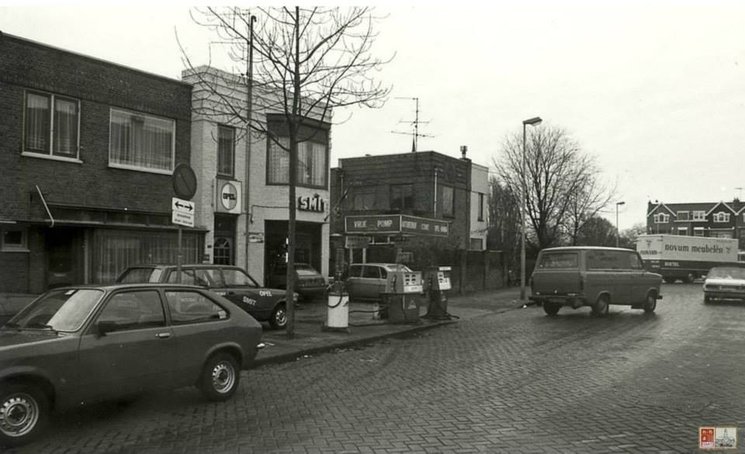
(708, 219)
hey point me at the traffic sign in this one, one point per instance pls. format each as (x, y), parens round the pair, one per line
(182, 212)
(184, 181)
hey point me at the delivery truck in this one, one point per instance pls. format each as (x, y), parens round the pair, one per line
(685, 257)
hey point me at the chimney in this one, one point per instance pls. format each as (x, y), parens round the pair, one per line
(463, 151)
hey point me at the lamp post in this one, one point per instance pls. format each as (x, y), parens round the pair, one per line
(523, 205)
(617, 231)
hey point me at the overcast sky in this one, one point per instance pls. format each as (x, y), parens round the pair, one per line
(655, 89)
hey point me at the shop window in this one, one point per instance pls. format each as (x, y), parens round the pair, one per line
(13, 240)
(402, 196)
(698, 231)
(51, 125)
(683, 231)
(141, 142)
(225, 150)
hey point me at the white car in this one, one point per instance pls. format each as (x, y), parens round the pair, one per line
(724, 283)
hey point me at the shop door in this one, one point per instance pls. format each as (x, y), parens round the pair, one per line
(223, 246)
(65, 261)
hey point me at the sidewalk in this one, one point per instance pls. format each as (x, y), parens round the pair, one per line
(311, 339)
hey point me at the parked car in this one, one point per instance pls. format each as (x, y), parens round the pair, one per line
(366, 281)
(232, 282)
(724, 283)
(593, 276)
(77, 345)
(309, 283)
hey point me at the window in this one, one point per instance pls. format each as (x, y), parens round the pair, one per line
(13, 240)
(661, 218)
(191, 276)
(193, 307)
(699, 215)
(481, 207)
(134, 310)
(612, 260)
(402, 196)
(721, 234)
(698, 231)
(554, 260)
(448, 206)
(721, 217)
(311, 163)
(225, 150)
(682, 215)
(237, 278)
(476, 244)
(683, 231)
(372, 272)
(51, 125)
(363, 198)
(141, 142)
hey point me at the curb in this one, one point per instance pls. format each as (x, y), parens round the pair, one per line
(292, 356)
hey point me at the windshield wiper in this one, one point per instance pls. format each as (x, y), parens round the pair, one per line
(11, 325)
(41, 325)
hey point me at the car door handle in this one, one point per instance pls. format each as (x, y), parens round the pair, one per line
(163, 335)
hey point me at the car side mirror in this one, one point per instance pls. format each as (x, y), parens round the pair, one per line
(104, 327)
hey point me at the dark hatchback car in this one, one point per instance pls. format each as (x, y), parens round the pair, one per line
(232, 282)
(77, 345)
(309, 283)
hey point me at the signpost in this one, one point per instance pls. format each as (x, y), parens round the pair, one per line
(182, 210)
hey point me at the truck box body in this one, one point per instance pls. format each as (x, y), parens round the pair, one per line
(685, 257)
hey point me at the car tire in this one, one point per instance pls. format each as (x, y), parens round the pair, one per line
(650, 304)
(220, 377)
(278, 320)
(24, 412)
(551, 308)
(601, 306)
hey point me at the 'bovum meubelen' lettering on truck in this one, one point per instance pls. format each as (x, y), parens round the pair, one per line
(684, 257)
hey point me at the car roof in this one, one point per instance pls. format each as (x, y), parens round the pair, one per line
(185, 265)
(112, 287)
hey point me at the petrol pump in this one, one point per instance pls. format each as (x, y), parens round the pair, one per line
(437, 282)
(337, 309)
(400, 296)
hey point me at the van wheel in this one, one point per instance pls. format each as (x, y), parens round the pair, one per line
(690, 277)
(551, 308)
(601, 306)
(651, 303)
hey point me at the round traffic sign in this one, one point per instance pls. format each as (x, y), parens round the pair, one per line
(184, 182)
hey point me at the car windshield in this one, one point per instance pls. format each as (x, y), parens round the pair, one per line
(396, 267)
(727, 273)
(60, 310)
(140, 275)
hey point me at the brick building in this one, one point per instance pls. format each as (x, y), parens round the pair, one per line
(710, 219)
(247, 212)
(87, 152)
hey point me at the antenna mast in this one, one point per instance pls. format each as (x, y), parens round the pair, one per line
(415, 123)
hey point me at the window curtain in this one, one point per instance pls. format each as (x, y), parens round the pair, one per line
(140, 141)
(37, 122)
(65, 127)
(278, 167)
(225, 150)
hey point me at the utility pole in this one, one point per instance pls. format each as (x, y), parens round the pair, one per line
(415, 134)
(249, 113)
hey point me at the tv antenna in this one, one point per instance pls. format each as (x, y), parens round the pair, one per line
(415, 134)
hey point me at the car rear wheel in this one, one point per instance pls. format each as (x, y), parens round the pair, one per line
(551, 308)
(24, 411)
(601, 306)
(220, 377)
(651, 303)
(278, 320)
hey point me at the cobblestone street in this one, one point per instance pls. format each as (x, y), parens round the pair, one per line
(516, 381)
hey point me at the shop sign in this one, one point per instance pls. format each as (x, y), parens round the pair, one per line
(255, 237)
(315, 203)
(357, 242)
(396, 223)
(228, 196)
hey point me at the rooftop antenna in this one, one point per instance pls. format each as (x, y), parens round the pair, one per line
(415, 134)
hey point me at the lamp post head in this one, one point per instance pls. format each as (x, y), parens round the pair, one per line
(620, 203)
(532, 121)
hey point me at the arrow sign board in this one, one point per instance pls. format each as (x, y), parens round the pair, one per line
(182, 212)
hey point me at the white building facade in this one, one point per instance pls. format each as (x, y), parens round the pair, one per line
(243, 179)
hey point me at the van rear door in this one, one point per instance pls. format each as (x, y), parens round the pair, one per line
(557, 273)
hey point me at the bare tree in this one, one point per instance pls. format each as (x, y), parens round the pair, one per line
(307, 62)
(585, 203)
(558, 176)
(504, 221)
(629, 236)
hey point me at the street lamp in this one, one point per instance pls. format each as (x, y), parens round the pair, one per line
(523, 205)
(617, 232)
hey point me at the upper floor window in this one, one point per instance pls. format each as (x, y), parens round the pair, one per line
(363, 198)
(448, 199)
(661, 218)
(140, 141)
(481, 207)
(51, 125)
(682, 215)
(721, 217)
(311, 169)
(225, 150)
(699, 215)
(402, 196)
